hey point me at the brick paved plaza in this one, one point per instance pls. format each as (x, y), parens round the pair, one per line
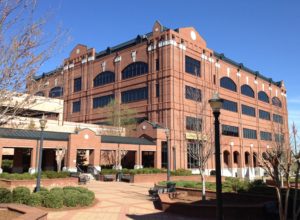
(117, 201)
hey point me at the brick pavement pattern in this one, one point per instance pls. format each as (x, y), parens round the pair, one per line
(117, 201)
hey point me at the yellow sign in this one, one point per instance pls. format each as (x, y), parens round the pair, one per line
(193, 136)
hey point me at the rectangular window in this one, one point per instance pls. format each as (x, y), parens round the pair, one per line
(230, 130)
(157, 64)
(134, 95)
(76, 106)
(230, 106)
(101, 101)
(157, 89)
(279, 138)
(249, 133)
(214, 79)
(265, 136)
(192, 66)
(247, 110)
(193, 124)
(277, 118)
(192, 93)
(264, 115)
(192, 149)
(77, 84)
(164, 154)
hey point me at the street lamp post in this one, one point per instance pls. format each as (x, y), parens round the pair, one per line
(43, 122)
(168, 154)
(216, 104)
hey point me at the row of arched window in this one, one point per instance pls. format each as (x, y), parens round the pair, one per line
(246, 90)
(53, 93)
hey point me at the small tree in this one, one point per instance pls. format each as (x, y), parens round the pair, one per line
(276, 162)
(201, 148)
(121, 116)
(59, 156)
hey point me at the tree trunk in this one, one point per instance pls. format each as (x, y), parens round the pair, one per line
(295, 213)
(203, 186)
(280, 208)
(286, 205)
(58, 165)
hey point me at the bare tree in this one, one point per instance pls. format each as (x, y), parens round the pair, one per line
(23, 49)
(59, 156)
(276, 162)
(296, 163)
(121, 116)
(201, 148)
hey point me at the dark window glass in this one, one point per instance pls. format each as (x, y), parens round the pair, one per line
(77, 84)
(192, 93)
(276, 102)
(279, 138)
(249, 133)
(247, 110)
(228, 83)
(192, 149)
(266, 136)
(192, 66)
(135, 69)
(56, 92)
(39, 94)
(277, 118)
(135, 95)
(247, 90)
(236, 157)
(262, 96)
(193, 124)
(157, 64)
(157, 89)
(76, 106)
(230, 106)
(264, 115)
(104, 78)
(164, 154)
(214, 79)
(230, 130)
(99, 102)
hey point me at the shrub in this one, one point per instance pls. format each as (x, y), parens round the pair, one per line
(108, 171)
(84, 199)
(44, 189)
(21, 195)
(35, 199)
(5, 195)
(82, 189)
(53, 200)
(181, 172)
(7, 165)
(71, 198)
(57, 190)
(17, 176)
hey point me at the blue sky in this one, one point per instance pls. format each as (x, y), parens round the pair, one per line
(262, 34)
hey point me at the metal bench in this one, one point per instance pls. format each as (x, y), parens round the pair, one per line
(156, 190)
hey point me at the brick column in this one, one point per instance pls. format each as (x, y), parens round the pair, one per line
(157, 155)
(1, 159)
(33, 165)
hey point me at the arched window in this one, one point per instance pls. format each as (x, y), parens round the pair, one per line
(247, 90)
(39, 94)
(236, 157)
(135, 69)
(276, 102)
(56, 92)
(262, 96)
(247, 158)
(228, 83)
(104, 78)
(226, 157)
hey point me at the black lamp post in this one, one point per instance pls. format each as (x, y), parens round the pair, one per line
(168, 154)
(43, 122)
(216, 104)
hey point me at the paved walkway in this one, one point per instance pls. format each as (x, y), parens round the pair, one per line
(117, 201)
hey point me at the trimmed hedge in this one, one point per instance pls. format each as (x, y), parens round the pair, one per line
(21, 195)
(55, 198)
(28, 176)
(179, 172)
(5, 195)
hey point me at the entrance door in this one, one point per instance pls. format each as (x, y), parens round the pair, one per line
(148, 159)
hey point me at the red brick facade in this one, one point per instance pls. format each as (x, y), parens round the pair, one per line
(165, 51)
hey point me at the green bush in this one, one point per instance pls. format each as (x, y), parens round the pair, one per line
(108, 171)
(181, 172)
(84, 199)
(7, 165)
(17, 176)
(21, 195)
(57, 190)
(5, 195)
(71, 198)
(53, 200)
(35, 199)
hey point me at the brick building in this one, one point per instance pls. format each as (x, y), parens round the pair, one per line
(168, 76)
